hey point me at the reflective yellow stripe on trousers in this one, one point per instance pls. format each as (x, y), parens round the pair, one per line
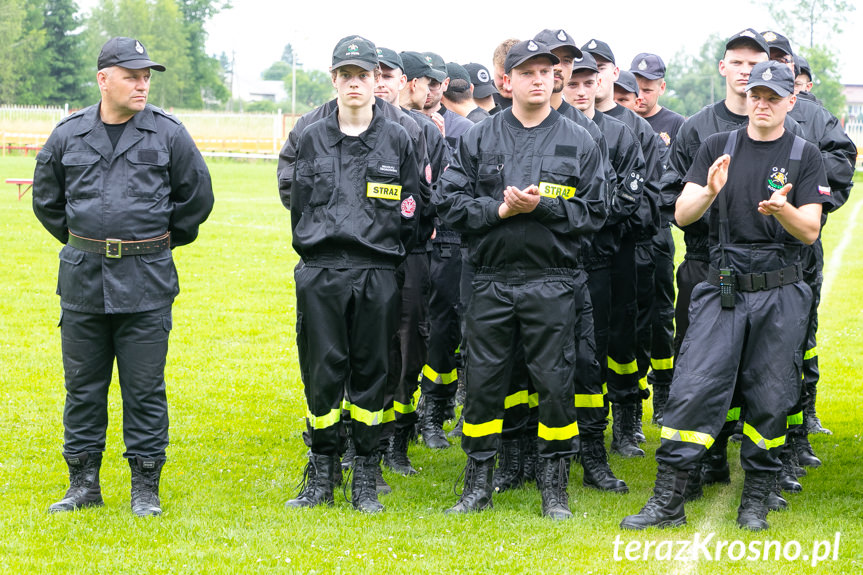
(482, 429)
(622, 368)
(324, 421)
(760, 440)
(440, 378)
(557, 433)
(704, 439)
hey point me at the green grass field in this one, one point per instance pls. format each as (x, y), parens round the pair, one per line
(237, 407)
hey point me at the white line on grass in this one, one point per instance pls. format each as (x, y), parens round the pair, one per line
(835, 263)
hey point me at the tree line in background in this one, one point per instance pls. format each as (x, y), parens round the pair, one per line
(48, 50)
(48, 54)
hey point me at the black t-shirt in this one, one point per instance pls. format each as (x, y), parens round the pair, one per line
(757, 170)
(114, 132)
(666, 123)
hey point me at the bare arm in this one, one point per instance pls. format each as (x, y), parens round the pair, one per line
(695, 199)
(804, 223)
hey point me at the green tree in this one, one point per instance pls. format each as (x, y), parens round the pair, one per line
(206, 71)
(67, 73)
(694, 81)
(827, 86)
(278, 71)
(11, 20)
(288, 55)
(809, 20)
(313, 88)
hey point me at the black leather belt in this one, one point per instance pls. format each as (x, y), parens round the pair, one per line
(113, 248)
(761, 281)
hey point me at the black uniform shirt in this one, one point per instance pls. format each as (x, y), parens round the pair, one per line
(757, 170)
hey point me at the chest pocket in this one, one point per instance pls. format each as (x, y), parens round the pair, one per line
(83, 174)
(489, 176)
(320, 175)
(383, 184)
(148, 173)
(558, 178)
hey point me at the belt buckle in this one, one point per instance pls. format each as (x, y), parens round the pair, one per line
(113, 248)
(759, 282)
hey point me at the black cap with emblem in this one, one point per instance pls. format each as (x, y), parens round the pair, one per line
(586, 62)
(748, 37)
(389, 58)
(776, 41)
(774, 75)
(599, 49)
(648, 66)
(437, 64)
(524, 51)
(558, 39)
(126, 53)
(627, 81)
(355, 51)
(483, 85)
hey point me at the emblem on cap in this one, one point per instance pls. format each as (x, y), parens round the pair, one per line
(592, 44)
(428, 59)
(532, 46)
(770, 37)
(353, 48)
(482, 75)
(561, 36)
(747, 33)
(767, 75)
(642, 65)
(578, 59)
(138, 48)
(380, 52)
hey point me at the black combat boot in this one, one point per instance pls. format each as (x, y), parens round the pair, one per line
(594, 460)
(477, 491)
(509, 473)
(694, 490)
(396, 456)
(714, 463)
(660, 398)
(84, 489)
(637, 416)
(431, 423)
(665, 506)
(775, 501)
(530, 456)
(623, 440)
(145, 486)
(788, 475)
(316, 487)
(752, 513)
(364, 489)
(350, 453)
(802, 448)
(810, 417)
(553, 479)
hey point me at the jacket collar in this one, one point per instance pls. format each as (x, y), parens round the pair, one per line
(97, 137)
(368, 137)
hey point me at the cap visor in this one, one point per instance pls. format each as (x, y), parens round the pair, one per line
(483, 91)
(361, 63)
(648, 75)
(140, 65)
(554, 59)
(437, 75)
(779, 91)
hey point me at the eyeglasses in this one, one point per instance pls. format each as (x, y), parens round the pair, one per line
(784, 60)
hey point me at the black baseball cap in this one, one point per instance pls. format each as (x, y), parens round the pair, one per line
(457, 72)
(389, 58)
(483, 85)
(749, 37)
(558, 39)
(627, 81)
(437, 64)
(802, 66)
(599, 48)
(586, 62)
(524, 51)
(648, 66)
(774, 75)
(126, 53)
(355, 51)
(416, 65)
(778, 41)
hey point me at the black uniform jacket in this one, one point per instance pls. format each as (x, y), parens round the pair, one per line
(155, 181)
(355, 204)
(560, 157)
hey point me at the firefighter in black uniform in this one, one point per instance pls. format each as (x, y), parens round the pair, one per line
(524, 184)
(119, 169)
(840, 154)
(355, 203)
(748, 320)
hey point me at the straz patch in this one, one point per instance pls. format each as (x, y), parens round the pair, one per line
(549, 190)
(409, 207)
(778, 178)
(384, 191)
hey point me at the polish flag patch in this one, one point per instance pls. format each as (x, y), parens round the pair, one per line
(824, 190)
(409, 207)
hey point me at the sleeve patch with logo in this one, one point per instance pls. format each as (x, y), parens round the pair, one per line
(548, 190)
(409, 207)
(383, 191)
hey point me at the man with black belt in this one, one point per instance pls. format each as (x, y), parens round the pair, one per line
(525, 184)
(119, 169)
(656, 306)
(355, 207)
(749, 317)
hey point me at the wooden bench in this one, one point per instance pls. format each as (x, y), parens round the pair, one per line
(24, 184)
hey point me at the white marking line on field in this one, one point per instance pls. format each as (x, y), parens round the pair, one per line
(833, 266)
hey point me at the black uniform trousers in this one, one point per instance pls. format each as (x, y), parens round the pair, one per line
(622, 373)
(655, 354)
(690, 273)
(756, 345)
(345, 324)
(139, 343)
(545, 313)
(439, 375)
(813, 268)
